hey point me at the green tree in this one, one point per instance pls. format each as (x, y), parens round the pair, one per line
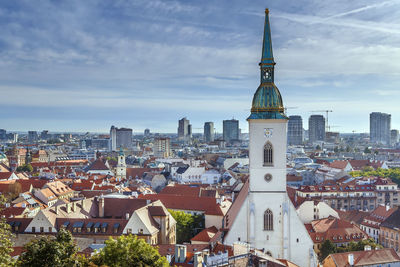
(367, 150)
(25, 168)
(128, 251)
(318, 147)
(327, 248)
(184, 226)
(46, 251)
(336, 149)
(5, 239)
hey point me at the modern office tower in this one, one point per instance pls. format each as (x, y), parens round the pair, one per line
(379, 128)
(146, 132)
(394, 137)
(295, 130)
(13, 137)
(32, 137)
(120, 138)
(230, 130)
(162, 147)
(44, 135)
(184, 130)
(3, 134)
(209, 131)
(316, 128)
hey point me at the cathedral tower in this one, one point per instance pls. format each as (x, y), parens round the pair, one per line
(270, 218)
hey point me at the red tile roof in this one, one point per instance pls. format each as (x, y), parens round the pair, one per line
(205, 235)
(336, 230)
(207, 205)
(236, 205)
(339, 164)
(117, 208)
(5, 175)
(98, 165)
(136, 172)
(366, 258)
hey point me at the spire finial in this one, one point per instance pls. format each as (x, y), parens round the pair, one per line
(266, 11)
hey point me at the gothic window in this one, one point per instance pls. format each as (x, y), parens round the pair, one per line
(268, 154)
(268, 220)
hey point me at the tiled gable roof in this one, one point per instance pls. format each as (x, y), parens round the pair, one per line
(118, 208)
(98, 165)
(393, 221)
(366, 258)
(202, 204)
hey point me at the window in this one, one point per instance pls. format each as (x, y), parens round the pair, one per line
(33, 229)
(268, 154)
(268, 220)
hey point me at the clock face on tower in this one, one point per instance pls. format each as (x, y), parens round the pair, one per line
(267, 75)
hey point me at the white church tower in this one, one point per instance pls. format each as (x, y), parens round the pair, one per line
(121, 166)
(271, 220)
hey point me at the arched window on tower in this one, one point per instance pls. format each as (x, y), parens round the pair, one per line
(268, 154)
(268, 220)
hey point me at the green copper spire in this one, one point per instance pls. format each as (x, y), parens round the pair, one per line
(267, 101)
(267, 57)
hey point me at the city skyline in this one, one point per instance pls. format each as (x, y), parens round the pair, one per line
(86, 66)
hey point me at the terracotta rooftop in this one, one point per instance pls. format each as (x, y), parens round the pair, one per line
(202, 204)
(366, 258)
(336, 230)
(205, 235)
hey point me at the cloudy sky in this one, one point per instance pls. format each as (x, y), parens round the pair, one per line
(85, 65)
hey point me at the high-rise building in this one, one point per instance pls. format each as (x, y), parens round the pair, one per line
(162, 147)
(32, 137)
(316, 128)
(146, 132)
(267, 218)
(44, 135)
(230, 130)
(3, 134)
(295, 130)
(379, 128)
(120, 138)
(209, 131)
(184, 130)
(394, 137)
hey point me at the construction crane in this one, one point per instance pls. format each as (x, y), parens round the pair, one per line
(327, 112)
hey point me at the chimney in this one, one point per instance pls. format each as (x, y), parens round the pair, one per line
(68, 207)
(101, 207)
(182, 254)
(350, 259)
(177, 253)
(56, 209)
(73, 206)
(197, 260)
(127, 216)
(82, 203)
